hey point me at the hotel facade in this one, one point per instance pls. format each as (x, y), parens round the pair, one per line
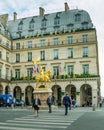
(67, 45)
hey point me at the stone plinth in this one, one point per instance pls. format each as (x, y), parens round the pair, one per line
(42, 94)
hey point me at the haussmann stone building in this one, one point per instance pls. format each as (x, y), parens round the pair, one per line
(67, 44)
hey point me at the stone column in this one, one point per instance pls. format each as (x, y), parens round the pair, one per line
(94, 97)
(78, 97)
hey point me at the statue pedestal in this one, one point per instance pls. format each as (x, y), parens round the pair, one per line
(42, 94)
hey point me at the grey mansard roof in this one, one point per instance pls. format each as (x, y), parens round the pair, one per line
(67, 21)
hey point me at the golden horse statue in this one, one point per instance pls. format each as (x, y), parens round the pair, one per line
(44, 76)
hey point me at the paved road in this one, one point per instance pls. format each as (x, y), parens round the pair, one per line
(78, 119)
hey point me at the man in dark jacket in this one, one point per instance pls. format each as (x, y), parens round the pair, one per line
(66, 103)
(50, 102)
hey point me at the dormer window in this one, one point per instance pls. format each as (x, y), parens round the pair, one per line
(20, 26)
(77, 17)
(44, 23)
(31, 24)
(57, 20)
(70, 26)
(85, 25)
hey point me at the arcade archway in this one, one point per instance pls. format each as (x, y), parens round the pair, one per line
(56, 92)
(7, 90)
(29, 95)
(71, 89)
(86, 95)
(17, 92)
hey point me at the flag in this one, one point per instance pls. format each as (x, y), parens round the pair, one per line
(35, 69)
(64, 67)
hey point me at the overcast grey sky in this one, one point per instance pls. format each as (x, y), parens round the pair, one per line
(95, 8)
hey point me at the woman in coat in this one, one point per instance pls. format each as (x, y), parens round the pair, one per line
(36, 103)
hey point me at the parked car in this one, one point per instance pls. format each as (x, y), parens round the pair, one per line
(20, 102)
(6, 99)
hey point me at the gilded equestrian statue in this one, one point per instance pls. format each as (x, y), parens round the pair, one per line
(44, 76)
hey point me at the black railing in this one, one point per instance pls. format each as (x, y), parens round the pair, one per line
(51, 44)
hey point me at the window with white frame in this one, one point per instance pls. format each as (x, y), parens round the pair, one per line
(17, 73)
(55, 41)
(17, 57)
(85, 38)
(7, 44)
(70, 40)
(29, 44)
(7, 56)
(44, 23)
(77, 17)
(85, 25)
(29, 72)
(70, 26)
(70, 69)
(85, 51)
(42, 42)
(20, 26)
(29, 56)
(57, 21)
(42, 55)
(17, 46)
(85, 69)
(31, 24)
(55, 53)
(70, 52)
(55, 70)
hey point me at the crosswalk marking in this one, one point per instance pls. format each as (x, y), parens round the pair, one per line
(33, 125)
(45, 121)
(18, 128)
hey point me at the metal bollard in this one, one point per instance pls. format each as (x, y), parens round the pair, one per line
(93, 107)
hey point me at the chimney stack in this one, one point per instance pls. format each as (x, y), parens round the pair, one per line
(41, 11)
(15, 16)
(66, 7)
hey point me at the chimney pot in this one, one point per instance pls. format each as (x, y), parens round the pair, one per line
(15, 16)
(66, 7)
(41, 11)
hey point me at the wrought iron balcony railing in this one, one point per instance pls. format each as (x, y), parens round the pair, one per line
(51, 44)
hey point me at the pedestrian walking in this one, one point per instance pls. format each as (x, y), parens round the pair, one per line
(50, 101)
(73, 103)
(8, 102)
(36, 103)
(14, 102)
(100, 103)
(66, 102)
